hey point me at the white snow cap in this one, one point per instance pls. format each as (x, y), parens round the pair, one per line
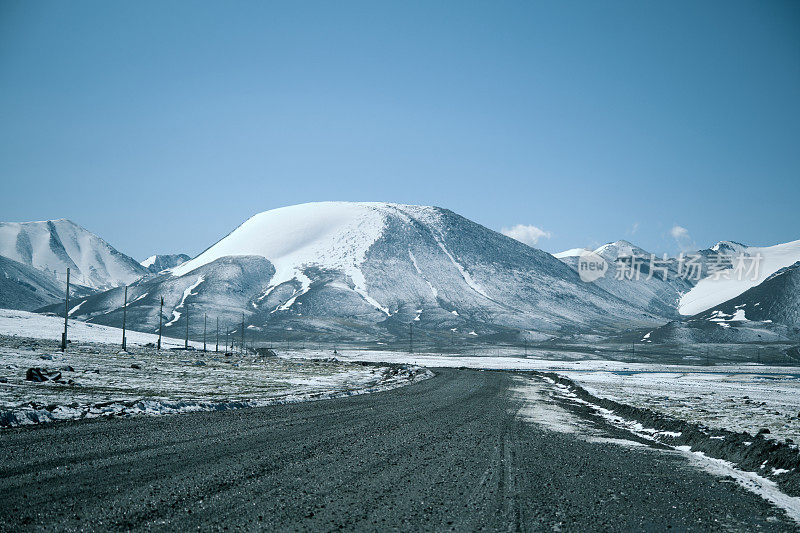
(572, 252)
(331, 234)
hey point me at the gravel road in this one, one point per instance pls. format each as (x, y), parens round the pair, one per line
(449, 453)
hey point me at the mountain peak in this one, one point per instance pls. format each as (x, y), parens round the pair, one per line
(55, 245)
(620, 248)
(727, 247)
(160, 262)
(331, 234)
(572, 252)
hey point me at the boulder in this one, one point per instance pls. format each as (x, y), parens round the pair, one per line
(39, 375)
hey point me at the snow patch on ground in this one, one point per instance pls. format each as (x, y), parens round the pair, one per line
(723, 319)
(551, 416)
(98, 380)
(733, 400)
(766, 488)
(33, 325)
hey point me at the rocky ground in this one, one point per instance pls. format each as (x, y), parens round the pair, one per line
(456, 452)
(38, 383)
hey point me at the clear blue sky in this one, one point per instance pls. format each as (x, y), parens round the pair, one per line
(163, 125)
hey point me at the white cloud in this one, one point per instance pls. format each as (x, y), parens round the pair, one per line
(527, 234)
(682, 237)
(679, 232)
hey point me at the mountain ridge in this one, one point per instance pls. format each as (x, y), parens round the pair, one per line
(375, 268)
(55, 245)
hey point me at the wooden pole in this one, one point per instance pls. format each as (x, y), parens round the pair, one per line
(160, 321)
(216, 348)
(186, 339)
(242, 346)
(124, 317)
(205, 323)
(66, 316)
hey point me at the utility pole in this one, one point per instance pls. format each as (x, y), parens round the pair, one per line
(186, 339)
(124, 318)
(66, 316)
(205, 322)
(216, 348)
(242, 347)
(160, 321)
(411, 337)
(227, 337)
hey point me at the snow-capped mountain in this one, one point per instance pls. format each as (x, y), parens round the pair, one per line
(776, 299)
(572, 252)
(628, 277)
(372, 269)
(52, 246)
(696, 281)
(159, 263)
(746, 267)
(768, 312)
(24, 287)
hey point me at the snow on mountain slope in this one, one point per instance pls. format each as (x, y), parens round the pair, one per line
(24, 287)
(729, 247)
(368, 270)
(52, 246)
(716, 289)
(768, 312)
(777, 299)
(333, 235)
(222, 289)
(159, 263)
(572, 252)
(657, 294)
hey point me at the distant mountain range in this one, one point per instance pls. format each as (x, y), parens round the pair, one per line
(658, 294)
(742, 293)
(375, 272)
(34, 257)
(52, 246)
(372, 271)
(723, 273)
(159, 263)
